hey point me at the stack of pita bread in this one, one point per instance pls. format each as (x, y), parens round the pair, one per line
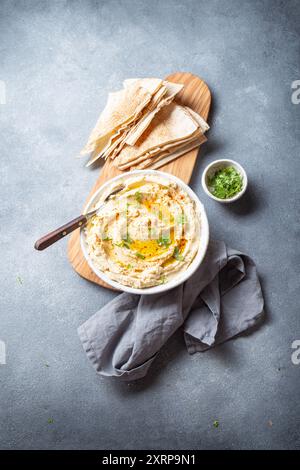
(141, 126)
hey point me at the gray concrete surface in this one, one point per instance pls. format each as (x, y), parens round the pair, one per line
(59, 60)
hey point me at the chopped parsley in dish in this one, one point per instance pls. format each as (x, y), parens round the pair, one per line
(225, 183)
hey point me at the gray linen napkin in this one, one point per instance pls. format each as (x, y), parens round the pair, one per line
(222, 299)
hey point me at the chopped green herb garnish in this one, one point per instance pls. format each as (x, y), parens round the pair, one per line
(216, 424)
(138, 196)
(160, 215)
(122, 244)
(163, 279)
(139, 255)
(47, 365)
(164, 241)
(181, 219)
(129, 266)
(19, 279)
(177, 255)
(127, 239)
(225, 183)
(50, 421)
(106, 239)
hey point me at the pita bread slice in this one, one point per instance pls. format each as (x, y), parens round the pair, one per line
(122, 108)
(199, 119)
(115, 142)
(171, 91)
(167, 156)
(158, 150)
(172, 124)
(156, 96)
(162, 97)
(150, 84)
(152, 153)
(115, 145)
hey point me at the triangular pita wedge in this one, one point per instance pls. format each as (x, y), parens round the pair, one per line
(162, 97)
(116, 140)
(112, 150)
(122, 108)
(199, 119)
(150, 84)
(173, 123)
(173, 145)
(162, 148)
(171, 91)
(113, 143)
(172, 154)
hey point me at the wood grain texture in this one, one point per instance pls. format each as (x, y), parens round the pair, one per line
(196, 95)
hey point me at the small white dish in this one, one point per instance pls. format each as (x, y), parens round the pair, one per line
(217, 165)
(204, 236)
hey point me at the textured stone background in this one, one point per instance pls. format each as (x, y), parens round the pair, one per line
(59, 59)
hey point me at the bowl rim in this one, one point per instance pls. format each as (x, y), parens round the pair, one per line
(220, 162)
(177, 280)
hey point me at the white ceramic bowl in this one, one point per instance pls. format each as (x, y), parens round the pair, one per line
(204, 236)
(211, 169)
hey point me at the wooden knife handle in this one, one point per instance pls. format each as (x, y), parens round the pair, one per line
(60, 232)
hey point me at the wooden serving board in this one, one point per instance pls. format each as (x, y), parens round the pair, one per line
(196, 95)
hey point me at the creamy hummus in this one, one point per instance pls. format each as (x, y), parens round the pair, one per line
(145, 235)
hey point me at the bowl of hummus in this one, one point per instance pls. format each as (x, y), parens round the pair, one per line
(149, 237)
